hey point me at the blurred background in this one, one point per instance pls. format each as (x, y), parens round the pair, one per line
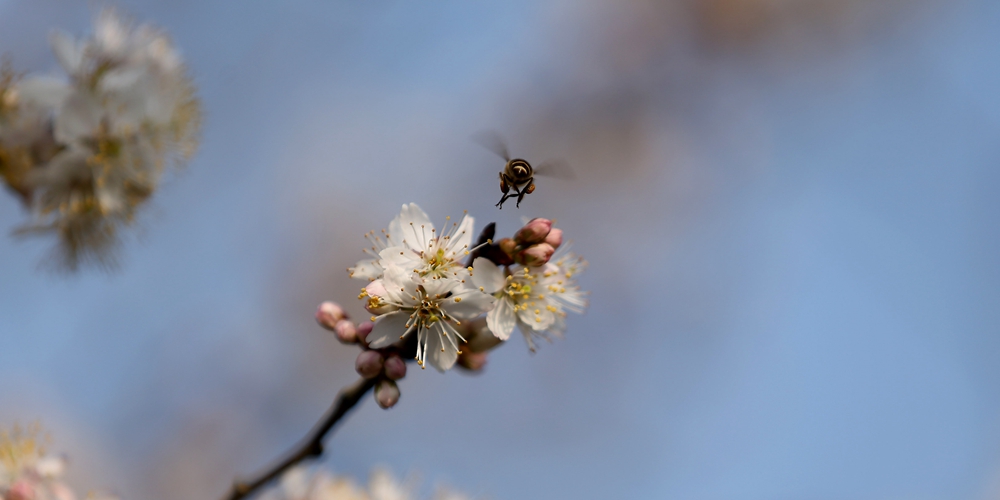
(789, 208)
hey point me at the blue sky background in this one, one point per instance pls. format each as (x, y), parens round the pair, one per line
(791, 220)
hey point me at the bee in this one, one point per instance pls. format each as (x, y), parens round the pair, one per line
(518, 175)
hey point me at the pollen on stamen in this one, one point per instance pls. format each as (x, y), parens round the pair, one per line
(373, 318)
(458, 299)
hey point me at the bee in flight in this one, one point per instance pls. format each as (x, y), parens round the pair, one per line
(518, 175)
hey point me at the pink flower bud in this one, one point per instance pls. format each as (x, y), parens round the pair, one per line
(21, 490)
(472, 361)
(369, 364)
(386, 394)
(535, 255)
(533, 232)
(362, 332)
(328, 314)
(554, 238)
(346, 332)
(395, 367)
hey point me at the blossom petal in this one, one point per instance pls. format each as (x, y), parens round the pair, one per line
(487, 275)
(387, 330)
(467, 303)
(440, 353)
(399, 286)
(68, 53)
(501, 319)
(366, 269)
(537, 321)
(411, 227)
(44, 91)
(402, 257)
(79, 117)
(461, 239)
(439, 287)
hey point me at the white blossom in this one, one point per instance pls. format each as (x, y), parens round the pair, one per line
(429, 305)
(412, 242)
(535, 299)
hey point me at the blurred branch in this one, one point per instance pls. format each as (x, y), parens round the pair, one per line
(312, 445)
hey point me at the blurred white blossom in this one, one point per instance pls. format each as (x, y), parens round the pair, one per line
(87, 152)
(304, 483)
(28, 473)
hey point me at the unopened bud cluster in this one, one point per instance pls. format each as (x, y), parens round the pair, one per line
(384, 365)
(533, 245)
(85, 152)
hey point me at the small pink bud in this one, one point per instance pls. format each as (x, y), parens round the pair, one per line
(472, 361)
(395, 367)
(554, 238)
(328, 314)
(21, 490)
(386, 394)
(346, 331)
(536, 255)
(369, 364)
(362, 332)
(533, 232)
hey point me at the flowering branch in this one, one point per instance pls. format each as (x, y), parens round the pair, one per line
(443, 312)
(312, 445)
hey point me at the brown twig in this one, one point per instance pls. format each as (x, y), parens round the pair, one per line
(312, 445)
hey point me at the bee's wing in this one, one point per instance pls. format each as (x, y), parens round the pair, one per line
(557, 169)
(492, 141)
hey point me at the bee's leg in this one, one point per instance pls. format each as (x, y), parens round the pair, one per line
(503, 199)
(526, 190)
(505, 196)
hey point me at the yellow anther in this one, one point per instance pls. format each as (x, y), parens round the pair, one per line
(373, 318)
(458, 299)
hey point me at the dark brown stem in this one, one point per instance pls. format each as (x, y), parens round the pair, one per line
(312, 445)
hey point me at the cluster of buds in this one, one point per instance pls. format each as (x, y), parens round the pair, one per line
(387, 365)
(85, 152)
(28, 473)
(533, 245)
(440, 299)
